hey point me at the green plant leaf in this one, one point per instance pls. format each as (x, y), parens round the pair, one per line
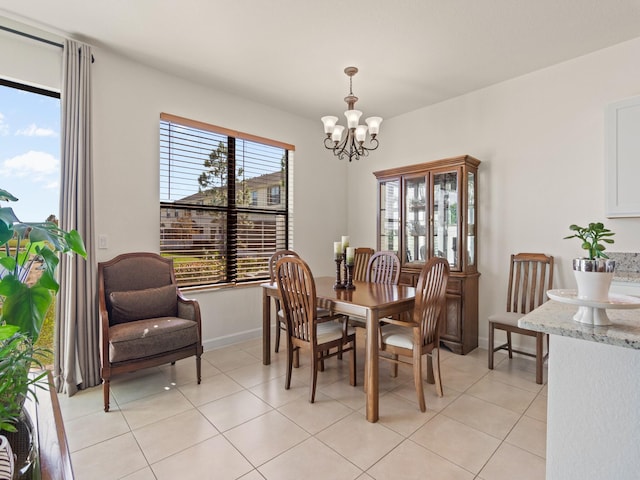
(6, 196)
(47, 281)
(10, 285)
(26, 308)
(49, 258)
(9, 263)
(7, 331)
(7, 216)
(74, 240)
(45, 232)
(6, 233)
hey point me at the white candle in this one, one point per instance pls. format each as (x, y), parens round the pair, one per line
(345, 242)
(351, 255)
(337, 250)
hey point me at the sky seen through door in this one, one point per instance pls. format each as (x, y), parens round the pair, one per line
(30, 153)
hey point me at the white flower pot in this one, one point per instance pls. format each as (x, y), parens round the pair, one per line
(593, 286)
(593, 278)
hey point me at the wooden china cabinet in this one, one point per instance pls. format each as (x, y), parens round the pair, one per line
(430, 209)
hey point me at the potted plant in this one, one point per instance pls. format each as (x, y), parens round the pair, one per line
(18, 356)
(595, 272)
(24, 302)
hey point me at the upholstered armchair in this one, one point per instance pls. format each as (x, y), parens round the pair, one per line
(145, 321)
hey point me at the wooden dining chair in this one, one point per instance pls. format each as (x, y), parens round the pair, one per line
(530, 276)
(420, 335)
(321, 336)
(383, 267)
(280, 323)
(361, 261)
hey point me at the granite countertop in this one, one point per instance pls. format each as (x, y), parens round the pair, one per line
(627, 266)
(628, 277)
(557, 319)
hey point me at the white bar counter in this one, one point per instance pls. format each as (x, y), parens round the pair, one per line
(593, 405)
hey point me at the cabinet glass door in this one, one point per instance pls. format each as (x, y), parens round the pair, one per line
(471, 219)
(415, 220)
(445, 217)
(389, 215)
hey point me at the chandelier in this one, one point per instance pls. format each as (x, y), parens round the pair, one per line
(353, 143)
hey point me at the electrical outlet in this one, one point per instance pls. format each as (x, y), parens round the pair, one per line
(103, 241)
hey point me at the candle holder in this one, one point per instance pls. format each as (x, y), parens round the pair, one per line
(349, 282)
(338, 285)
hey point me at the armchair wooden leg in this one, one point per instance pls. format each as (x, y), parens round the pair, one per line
(198, 368)
(105, 393)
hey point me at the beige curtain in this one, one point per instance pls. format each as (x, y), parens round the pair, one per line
(77, 361)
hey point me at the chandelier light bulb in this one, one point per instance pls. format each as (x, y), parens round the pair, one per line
(374, 125)
(353, 117)
(336, 136)
(329, 124)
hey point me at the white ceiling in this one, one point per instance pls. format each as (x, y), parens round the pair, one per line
(291, 53)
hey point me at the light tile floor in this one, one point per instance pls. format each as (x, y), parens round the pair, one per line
(240, 422)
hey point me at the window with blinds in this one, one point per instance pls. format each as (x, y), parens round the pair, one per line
(223, 201)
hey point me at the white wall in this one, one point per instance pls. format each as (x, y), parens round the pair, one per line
(127, 101)
(541, 140)
(27, 61)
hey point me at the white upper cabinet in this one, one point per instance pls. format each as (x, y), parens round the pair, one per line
(622, 143)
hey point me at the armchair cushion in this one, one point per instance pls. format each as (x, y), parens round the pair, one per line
(142, 304)
(145, 338)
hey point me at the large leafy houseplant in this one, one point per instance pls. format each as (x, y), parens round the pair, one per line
(26, 246)
(25, 300)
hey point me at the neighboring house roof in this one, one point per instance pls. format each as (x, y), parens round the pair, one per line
(252, 184)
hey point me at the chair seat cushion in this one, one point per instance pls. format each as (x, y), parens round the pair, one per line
(329, 331)
(508, 318)
(397, 336)
(145, 338)
(141, 304)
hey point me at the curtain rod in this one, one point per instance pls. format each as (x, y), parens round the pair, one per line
(33, 37)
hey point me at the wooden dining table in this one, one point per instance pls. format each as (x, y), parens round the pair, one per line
(371, 301)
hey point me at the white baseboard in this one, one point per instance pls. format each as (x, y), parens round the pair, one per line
(218, 342)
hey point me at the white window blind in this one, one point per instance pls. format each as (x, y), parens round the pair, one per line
(221, 219)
